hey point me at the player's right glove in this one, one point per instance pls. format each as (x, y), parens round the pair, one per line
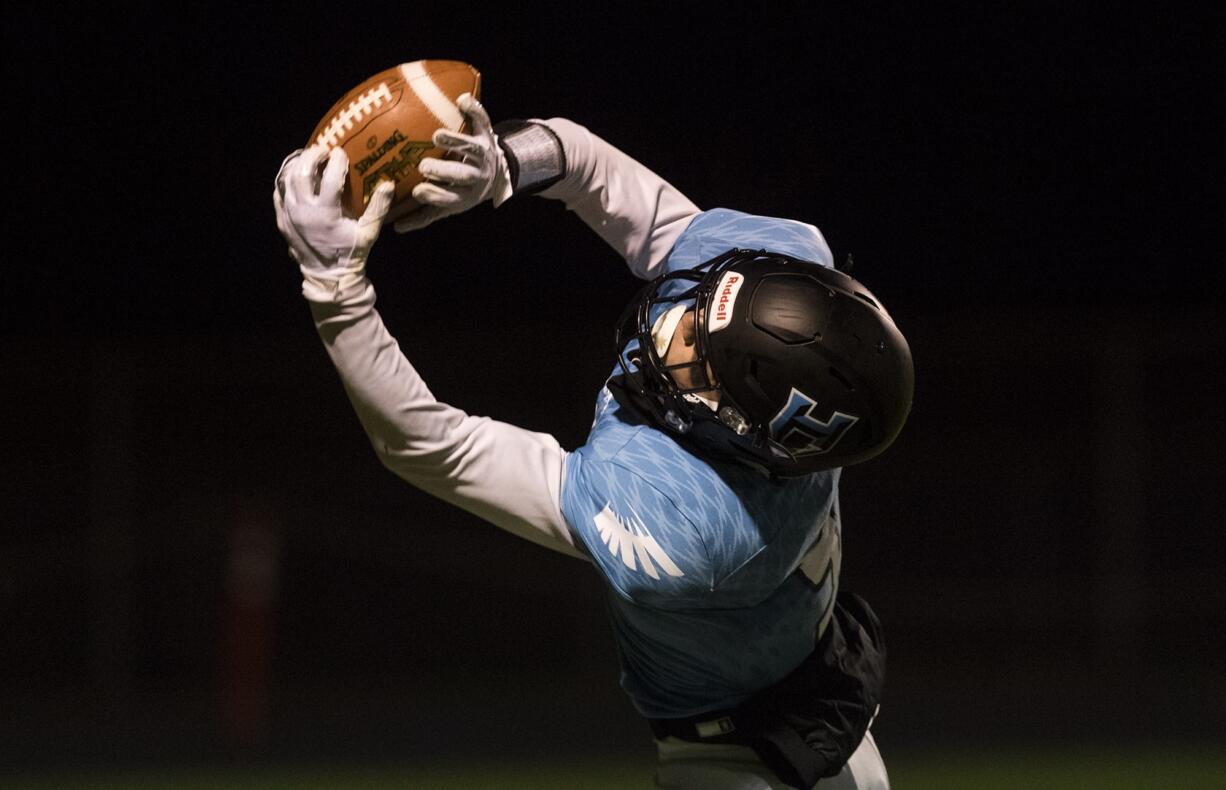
(329, 247)
(456, 185)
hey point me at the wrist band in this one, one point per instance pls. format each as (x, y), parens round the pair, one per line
(535, 159)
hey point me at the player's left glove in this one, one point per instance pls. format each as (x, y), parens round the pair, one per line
(328, 246)
(456, 185)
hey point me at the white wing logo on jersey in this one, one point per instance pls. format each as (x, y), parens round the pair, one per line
(632, 540)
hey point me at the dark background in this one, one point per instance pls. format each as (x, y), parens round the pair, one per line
(201, 558)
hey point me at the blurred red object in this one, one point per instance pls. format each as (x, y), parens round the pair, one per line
(248, 625)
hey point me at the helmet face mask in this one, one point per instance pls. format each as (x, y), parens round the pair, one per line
(637, 348)
(809, 371)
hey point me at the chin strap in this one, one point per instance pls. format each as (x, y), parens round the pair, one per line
(626, 389)
(534, 155)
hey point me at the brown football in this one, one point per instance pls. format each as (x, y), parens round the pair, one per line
(385, 125)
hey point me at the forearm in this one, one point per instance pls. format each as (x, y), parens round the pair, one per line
(634, 210)
(506, 475)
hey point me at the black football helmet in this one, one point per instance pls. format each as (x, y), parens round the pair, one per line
(810, 370)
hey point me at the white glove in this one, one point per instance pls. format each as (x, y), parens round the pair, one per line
(327, 245)
(453, 186)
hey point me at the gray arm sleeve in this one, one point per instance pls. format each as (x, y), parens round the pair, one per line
(635, 211)
(508, 476)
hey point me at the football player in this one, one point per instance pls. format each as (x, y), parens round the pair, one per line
(749, 371)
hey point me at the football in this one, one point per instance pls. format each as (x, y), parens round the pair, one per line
(385, 125)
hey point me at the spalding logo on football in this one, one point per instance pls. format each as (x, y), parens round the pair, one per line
(385, 125)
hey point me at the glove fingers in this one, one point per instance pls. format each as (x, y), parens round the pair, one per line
(437, 195)
(478, 118)
(288, 231)
(286, 165)
(420, 218)
(449, 171)
(335, 173)
(380, 202)
(284, 223)
(458, 143)
(306, 171)
(278, 206)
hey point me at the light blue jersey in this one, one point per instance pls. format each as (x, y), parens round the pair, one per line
(717, 577)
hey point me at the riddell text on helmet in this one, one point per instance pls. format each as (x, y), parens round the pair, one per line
(729, 285)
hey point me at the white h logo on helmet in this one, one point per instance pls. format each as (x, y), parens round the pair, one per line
(801, 433)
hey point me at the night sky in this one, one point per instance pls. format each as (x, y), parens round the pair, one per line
(1030, 157)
